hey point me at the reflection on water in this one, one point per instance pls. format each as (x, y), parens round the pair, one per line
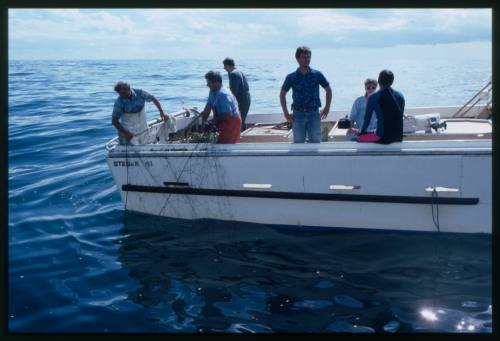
(75, 265)
(215, 276)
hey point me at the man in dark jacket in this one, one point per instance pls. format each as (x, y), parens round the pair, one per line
(238, 85)
(389, 106)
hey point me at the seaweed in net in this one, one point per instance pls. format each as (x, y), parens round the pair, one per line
(195, 132)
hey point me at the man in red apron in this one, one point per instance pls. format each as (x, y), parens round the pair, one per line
(225, 109)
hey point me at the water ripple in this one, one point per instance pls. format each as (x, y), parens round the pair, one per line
(79, 263)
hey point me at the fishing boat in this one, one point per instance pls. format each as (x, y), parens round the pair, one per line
(437, 179)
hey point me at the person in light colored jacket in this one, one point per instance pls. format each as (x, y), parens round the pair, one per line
(357, 115)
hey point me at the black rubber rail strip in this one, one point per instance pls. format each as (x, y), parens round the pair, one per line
(173, 183)
(302, 196)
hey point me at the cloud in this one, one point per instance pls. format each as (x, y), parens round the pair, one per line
(460, 20)
(63, 24)
(388, 20)
(320, 21)
(392, 27)
(208, 27)
(127, 32)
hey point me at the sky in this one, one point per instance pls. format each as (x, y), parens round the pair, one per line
(216, 33)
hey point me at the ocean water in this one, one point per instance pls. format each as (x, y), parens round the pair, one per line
(77, 262)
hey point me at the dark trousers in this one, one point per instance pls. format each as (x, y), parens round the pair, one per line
(244, 106)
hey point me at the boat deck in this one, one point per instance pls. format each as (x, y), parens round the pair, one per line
(457, 129)
(268, 128)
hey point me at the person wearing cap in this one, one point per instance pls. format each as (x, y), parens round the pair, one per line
(306, 115)
(225, 108)
(129, 114)
(238, 85)
(358, 109)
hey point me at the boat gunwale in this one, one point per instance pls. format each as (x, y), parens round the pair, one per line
(446, 147)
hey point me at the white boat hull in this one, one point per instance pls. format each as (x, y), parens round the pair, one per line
(337, 185)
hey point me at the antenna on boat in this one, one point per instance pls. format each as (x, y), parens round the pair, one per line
(187, 112)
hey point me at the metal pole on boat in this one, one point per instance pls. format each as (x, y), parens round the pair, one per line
(188, 127)
(477, 96)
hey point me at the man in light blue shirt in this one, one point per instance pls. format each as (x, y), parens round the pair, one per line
(225, 108)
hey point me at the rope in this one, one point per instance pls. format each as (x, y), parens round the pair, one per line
(435, 202)
(186, 130)
(127, 162)
(188, 159)
(126, 165)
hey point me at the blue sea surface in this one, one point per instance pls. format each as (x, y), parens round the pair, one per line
(77, 262)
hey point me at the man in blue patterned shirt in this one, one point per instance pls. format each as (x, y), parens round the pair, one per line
(306, 116)
(129, 116)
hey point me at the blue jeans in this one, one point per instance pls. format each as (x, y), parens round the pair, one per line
(306, 123)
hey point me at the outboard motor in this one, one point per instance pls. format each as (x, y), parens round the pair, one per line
(436, 124)
(424, 122)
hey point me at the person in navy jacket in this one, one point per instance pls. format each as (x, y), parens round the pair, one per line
(389, 106)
